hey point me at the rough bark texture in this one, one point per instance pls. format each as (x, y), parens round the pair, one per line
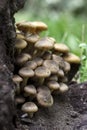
(68, 111)
(7, 37)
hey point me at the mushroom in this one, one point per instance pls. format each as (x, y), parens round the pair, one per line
(51, 65)
(63, 88)
(30, 90)
(22, 58)
(32, 27)
(20, 44)
(72, 58)
(32, 38)
(30, 108)
(47, 55)
(53, 85)
(26, 73)
(67, 67)
(60, 73)
(52, 77)
(42, 45)
(60, 48)
(59, 60)
(17, 80)
(44, 97)
(38, 61)
(42, 72)
(31, 64)
(19, 100)
(20, 35)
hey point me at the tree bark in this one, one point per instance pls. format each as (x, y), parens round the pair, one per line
(7, 38)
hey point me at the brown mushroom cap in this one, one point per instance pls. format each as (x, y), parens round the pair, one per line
(20, 43)
(32, 27)
(19, 99)
(29, 107)
(60, 73)
(53, 77)
(59, 60)
(47, 55)
(67, 66)
(42, 71)
(26, 72)
(32, 38)
(38, 61)
(20, 36)
(51, 65)
(17, 79)
(22, 58)
(30, 90)
(60, 47)
(44, 44)
(31, 64)
(72, 58)
(53, 85)
(63, 88)
(44, 98)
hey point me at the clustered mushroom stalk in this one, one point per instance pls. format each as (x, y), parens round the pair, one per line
(41, 66)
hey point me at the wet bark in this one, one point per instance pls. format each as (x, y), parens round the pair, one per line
(7, 38)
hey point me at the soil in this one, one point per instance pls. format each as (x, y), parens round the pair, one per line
(69, 109)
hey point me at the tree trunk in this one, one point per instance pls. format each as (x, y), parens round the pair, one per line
(7, 38)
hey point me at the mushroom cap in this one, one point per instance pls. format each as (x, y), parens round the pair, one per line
(38, 61)
(17, 79)
(19, 99)
(42, 71)
(60, 47)
(53, 77)
(51, 65)
(29, 107)
(63, 88)
(26, 72)
(32, 38)
(47, 55)
(60, 73)
(72, 58)
(67, 66)
(20, 43)
(22, 58)
(44, 44)
(20, 36)
(53, 85)
(59, 60)
(30, 90)
(44, 99)
(32, 27)
(31, 64)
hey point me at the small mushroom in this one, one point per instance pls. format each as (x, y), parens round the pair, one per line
(53, 85)
(30, 108)
(31, 64)
(32, 38)
(20, 44)
(47, 55)
(67, 67)
(26, 73)
(61, 48)
(59, 60)
(19, 100)
(63, 88)
(30, 90)
(20, 35)
(72, 58)
(21, 59)
(42, 72)
(38, 61)
(42, 45)
(51, 65)
(44, 97)
(52, 77)
(17, 80)
(60, 73)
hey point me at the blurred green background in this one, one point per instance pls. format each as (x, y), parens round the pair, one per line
(66, 19)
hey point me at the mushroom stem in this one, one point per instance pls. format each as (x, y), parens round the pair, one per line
(24, 83)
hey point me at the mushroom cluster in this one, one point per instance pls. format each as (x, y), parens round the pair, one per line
(41, 67)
